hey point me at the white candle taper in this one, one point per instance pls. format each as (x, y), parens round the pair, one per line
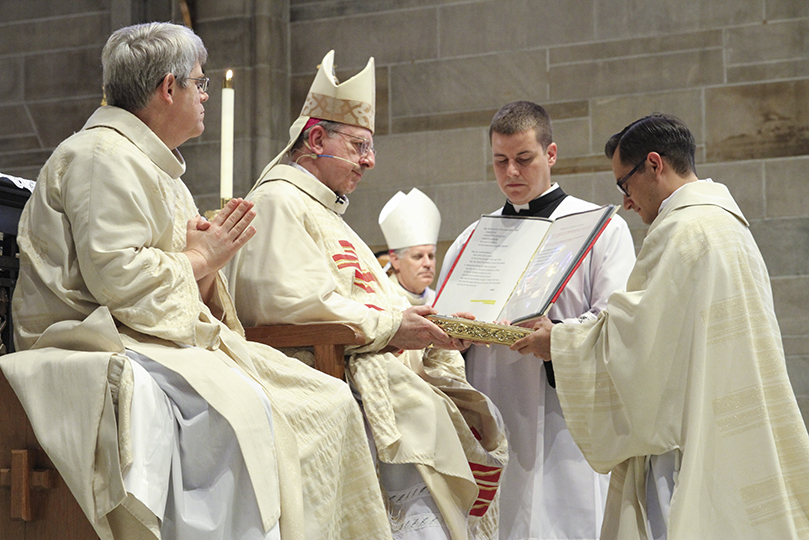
(226, 168)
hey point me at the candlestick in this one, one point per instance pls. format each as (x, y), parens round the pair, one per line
(226, 162)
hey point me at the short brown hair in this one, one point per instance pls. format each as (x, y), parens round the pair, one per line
(520, 116)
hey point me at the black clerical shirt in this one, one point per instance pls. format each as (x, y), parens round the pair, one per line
(542, 206)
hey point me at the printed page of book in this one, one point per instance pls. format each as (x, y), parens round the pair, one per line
(490, 265)
(564, 246)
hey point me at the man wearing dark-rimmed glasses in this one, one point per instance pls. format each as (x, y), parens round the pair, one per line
(680, 387)
(621, 182)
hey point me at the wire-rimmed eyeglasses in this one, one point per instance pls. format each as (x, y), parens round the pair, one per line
(363, 145)
(202, 83)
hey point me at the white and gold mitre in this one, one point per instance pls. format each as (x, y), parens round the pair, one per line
(410, 220)
(353, 102)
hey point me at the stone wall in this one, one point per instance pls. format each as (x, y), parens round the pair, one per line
(736, 72)
(50, 78)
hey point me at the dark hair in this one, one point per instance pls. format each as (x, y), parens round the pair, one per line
(662, 133)
(520, 116)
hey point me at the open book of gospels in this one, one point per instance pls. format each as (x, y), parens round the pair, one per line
(514, 268)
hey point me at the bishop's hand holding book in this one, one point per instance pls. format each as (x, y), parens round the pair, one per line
(514, 268)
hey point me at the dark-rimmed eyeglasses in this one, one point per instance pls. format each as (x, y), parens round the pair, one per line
(621, 181)
(363, 145)
(202, 83)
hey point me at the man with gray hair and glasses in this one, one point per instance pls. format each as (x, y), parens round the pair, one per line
(171, 424)
(438, 442)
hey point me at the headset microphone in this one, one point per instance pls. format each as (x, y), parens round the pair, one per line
(315, 156)
(335, 157)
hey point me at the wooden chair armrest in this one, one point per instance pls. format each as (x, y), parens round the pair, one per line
(328, 340)
(306, 335)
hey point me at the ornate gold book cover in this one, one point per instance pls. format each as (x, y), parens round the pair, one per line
(482, 332)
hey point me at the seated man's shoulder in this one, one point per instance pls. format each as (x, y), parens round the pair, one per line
(79, 145)
(87, 150)
(104, 140)
(276, 193)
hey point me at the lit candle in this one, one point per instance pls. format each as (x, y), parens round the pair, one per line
(226, 170)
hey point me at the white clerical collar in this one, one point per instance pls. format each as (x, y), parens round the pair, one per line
(527, 205)
(667, 199)
(303, 169)
(342, 199)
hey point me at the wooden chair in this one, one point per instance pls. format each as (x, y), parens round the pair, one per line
(35, 503)
(328, 340)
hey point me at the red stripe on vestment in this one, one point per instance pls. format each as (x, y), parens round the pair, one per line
(364, 287)
(487, 479)
(486, 494)
(344, 257)
(364, 276)
(480, 468)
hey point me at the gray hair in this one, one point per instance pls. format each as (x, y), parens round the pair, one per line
(137, 58)
(328, 125)
(403, 252)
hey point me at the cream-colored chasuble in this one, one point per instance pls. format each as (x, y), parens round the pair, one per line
(101, 241)
(690, 359)
(309, 266)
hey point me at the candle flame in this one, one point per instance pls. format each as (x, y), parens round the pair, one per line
(227, 82)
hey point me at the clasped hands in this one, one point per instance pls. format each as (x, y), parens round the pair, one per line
(211, 244)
